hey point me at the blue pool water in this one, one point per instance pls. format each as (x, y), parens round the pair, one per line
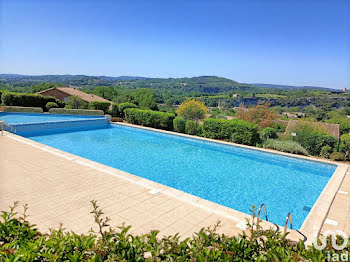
(228, 175)
(22, 118)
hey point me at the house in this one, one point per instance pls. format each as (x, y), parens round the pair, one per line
(331, 129)
(63, 93)
(293, 115)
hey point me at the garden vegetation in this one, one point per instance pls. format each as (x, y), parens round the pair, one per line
(27, 100)
(149, 118)
(21, 241)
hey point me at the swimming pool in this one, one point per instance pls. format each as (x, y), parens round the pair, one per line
(24, 118)
(232, 176)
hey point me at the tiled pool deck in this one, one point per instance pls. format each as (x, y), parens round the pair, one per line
(58, 187)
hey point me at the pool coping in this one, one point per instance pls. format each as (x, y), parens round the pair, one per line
(311, 225)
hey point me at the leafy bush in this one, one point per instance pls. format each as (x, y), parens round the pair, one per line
(236, 130)
(149, 118)
(123, 106)
(115, 111)
(99, 105)
(312, 136)
(75, 102)
(337, 156)
(75, 111)
(345, 144)
(23, 109)
(192, 127)
(146, 98)
(326, 151)
(28, 100)
(286, 146)
(267, 133)
(279, 127)
(314, 141)
(50, 105)
(341, 119)
(21, 241)
(179, 125)
(260, 114)
(192, 109)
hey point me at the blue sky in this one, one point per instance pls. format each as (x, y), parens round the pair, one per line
(297, 42)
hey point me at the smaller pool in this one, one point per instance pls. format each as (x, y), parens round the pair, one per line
(24, 118)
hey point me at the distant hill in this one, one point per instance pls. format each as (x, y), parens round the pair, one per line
(206, 84)
(202, 84)
(63, 78)
(293, 87)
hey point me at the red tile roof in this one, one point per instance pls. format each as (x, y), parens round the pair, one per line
(72, 91)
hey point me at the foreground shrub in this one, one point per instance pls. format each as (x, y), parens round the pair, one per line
(286, 146)
(75, 102)
(192, 109)
(312, 136)
(326, 151)
(21, 241)
(124, 106)
(235, 130)
(22, 109)
(345, 144)
(67, 111)
(341, 119)
(192, 127)
(279, 127)
(267, 133)
(314, 141)
(337, 156)
(115, 111)
(179, 125)
(27, 100)
(99, 105)
(50, 105)
(149, 118)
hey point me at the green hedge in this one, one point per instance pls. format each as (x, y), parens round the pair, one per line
(65, 111)
(22, 241)
(115, 111)
(192, 127)
(28, 100)
(314, 141)
(235, 130)
(99, 105)
(149, 118)
(22, 109)
(179, 125)
(124, 106)
(50, 105)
